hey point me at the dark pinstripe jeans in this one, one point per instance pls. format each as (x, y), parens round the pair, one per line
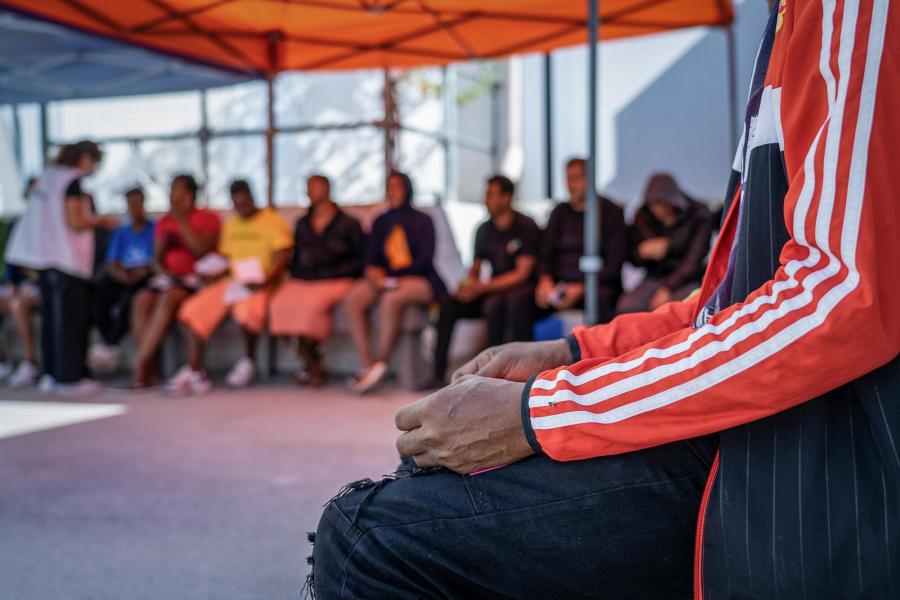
(615, 527)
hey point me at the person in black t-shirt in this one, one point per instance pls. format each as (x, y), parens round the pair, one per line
(560, 284)
(508, 242)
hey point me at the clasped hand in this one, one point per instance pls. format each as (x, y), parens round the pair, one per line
(476, 422)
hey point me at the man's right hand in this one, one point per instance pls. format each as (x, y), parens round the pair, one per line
(517, 361)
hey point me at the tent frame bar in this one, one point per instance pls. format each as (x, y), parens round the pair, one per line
(590, 263)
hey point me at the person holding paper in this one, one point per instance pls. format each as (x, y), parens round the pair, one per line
(399, 273)
(257, 244)
(328, 249)
(181, 237)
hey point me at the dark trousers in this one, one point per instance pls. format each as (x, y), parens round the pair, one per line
(65, 322)
(613, 527)
(526, 312)
(638, 299)
(112, 308)
(497, 311)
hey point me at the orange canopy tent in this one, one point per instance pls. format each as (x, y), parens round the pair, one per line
(267, 36)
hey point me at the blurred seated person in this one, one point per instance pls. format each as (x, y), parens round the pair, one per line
(328, 255)
(508, 241)
(560, 283)
(398, 273)
(670, 236)
(257, 245)
(20, 298)
(182, 236)
(128, 266)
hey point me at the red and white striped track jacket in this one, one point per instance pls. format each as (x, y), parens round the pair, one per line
(797, 369)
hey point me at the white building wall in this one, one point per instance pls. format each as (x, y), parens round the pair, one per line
(663, 106)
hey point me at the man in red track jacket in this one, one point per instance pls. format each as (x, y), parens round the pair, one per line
(768, 403)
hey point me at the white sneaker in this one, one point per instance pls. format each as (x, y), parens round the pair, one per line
(188, 381)
(46, 384)
(370, 377)
(178, 384)
(104, 357)
(5, 369)
(241, 374)
(24, 375)
(80, 389)
(199, 384)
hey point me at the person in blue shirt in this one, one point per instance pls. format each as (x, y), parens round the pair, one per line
(128, 266)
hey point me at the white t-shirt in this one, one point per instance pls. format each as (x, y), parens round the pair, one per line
(42, 239)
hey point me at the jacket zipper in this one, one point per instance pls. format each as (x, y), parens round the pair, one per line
(701, 518)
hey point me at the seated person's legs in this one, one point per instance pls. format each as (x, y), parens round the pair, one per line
(23, 305)
(250, 314)
(200, 314)
(500, 313)
(304, 309)
(522, 312)
(107, 294)
(409, 291)
(614, 527)
(638, 299)
(151, 327)
(451, 311)
(360, 299)
(393, 303)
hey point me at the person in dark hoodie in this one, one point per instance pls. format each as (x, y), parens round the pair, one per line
(398, 273)
(670, 236)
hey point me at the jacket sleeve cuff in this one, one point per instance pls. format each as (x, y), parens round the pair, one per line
(574, 348)
(526, 418)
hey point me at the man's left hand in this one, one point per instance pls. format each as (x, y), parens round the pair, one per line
(473, 424)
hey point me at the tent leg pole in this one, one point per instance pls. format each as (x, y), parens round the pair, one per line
(45, 136)
(204, 140)
(270, 139)
(450, 127)
(732, 86)
(548, 124)
(390, 124)
(17, 135)
(590, 263)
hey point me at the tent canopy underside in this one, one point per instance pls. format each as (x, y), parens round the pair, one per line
(266, 36)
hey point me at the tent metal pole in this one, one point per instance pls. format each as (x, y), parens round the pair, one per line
(45, 136)
(450, 127)
(733, 114)
(204, 140)
(17, 138)
(548, 124)
(390, 124)
(270, 139)
(590, 262)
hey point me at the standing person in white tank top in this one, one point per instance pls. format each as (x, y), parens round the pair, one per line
(55, 236)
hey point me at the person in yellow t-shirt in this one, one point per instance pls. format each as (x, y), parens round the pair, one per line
(257, 244)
